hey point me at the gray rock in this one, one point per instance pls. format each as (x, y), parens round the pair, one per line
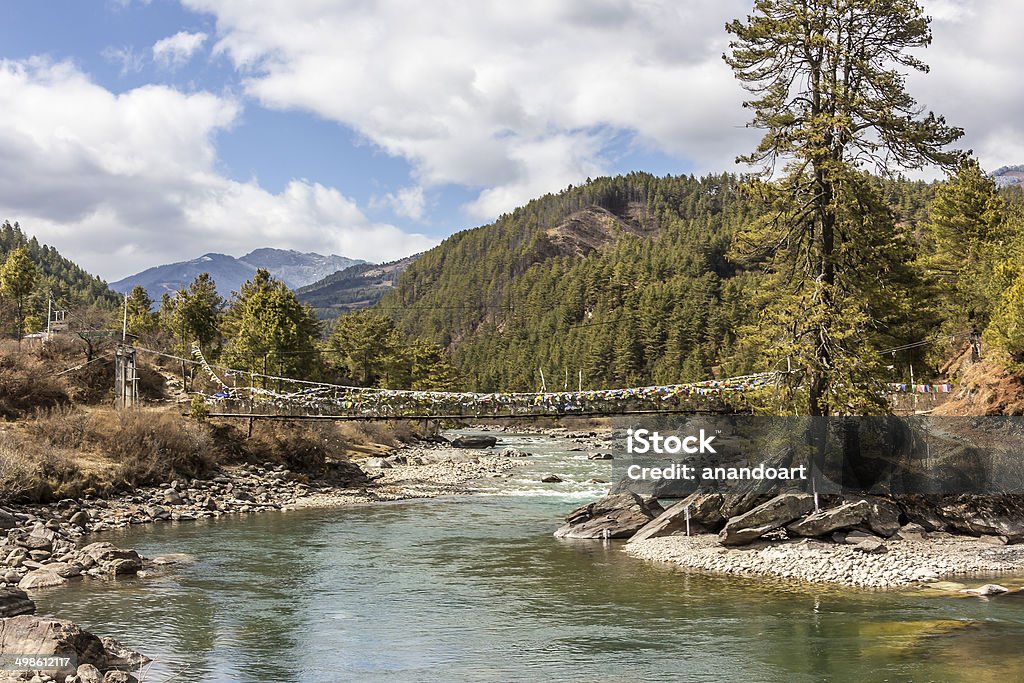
(776, 513)
(705, 517)
(111, 558)
(474, 441)
(80, 518)
(600, 456)
(856, 536)
(378, 463)
(824, 522)
(121, 657)
(618, 515)
(551, 479)
(911, 532)
(8, 520)
(870, 546)
(986, 590)
(87, 673)
(884, 517)
(14, 601)
(48, 637)
(41, 578)
(172, 497)
(116, 676)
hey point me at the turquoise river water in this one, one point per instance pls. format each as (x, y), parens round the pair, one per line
(476, 588)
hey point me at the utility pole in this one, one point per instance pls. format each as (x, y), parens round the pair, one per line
(124, 325)
(125, 377)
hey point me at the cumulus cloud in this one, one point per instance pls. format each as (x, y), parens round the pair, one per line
(973, 71)
(174, 51)
(123, 182)
(408, 202)
(511, 99)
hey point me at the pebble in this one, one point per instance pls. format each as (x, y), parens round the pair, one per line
(904, 562)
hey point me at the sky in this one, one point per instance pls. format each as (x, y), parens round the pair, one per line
(140, 132)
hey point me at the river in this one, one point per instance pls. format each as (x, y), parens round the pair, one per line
(476, 589)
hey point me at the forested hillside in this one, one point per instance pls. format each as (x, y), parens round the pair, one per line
(638, 279)
(70, 285)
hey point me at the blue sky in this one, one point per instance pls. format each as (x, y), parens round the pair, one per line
(144, 132)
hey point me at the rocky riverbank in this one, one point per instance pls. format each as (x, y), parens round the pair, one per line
(902, 563)
(869, 542)
(41, 544)
(41, 548)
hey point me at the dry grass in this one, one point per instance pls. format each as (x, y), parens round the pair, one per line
(154, 446)
(27, 383)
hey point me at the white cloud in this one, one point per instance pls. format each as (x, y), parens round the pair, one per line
(124, 182)
(408, 202)
(125, 57)
(174, 51)
(511, 99)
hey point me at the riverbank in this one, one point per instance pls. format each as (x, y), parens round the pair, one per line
(898, 563)
(44, 537)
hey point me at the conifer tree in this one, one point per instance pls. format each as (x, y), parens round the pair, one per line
(828, 88)
(18, 277)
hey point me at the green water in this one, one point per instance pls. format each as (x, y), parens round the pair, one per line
(477, 589)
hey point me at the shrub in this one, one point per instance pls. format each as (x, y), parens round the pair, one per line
(61, 427)
(27, 384)
(16, 470)
(153, 447)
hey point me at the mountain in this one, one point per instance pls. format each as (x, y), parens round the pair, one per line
(1008, 175)
(627, 280)
(355, 287)
(294, 268)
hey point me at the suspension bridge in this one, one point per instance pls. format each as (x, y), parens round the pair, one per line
(232, 392)
(235, 393)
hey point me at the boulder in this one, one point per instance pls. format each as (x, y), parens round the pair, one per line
(110, 558)
(705, 517)
(870, 546)
(986, 590)
(600, 456)
(824, 522)
(475, 441)
(911, 532)
(40, 538)
(41, 578)
(618, 515)
(121, 657)
(378, 463)
(776, 513)
(87, 673)
(80, 518)
(116, 676)
(550, 479)
(985, 516)
(7, 519)
(48, 637)
(923, 511)
(513, 453)
(14, 601)
(884, 517)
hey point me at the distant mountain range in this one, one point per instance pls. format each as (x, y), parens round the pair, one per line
(296, 269)
(357, 286)
(1008, 175)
